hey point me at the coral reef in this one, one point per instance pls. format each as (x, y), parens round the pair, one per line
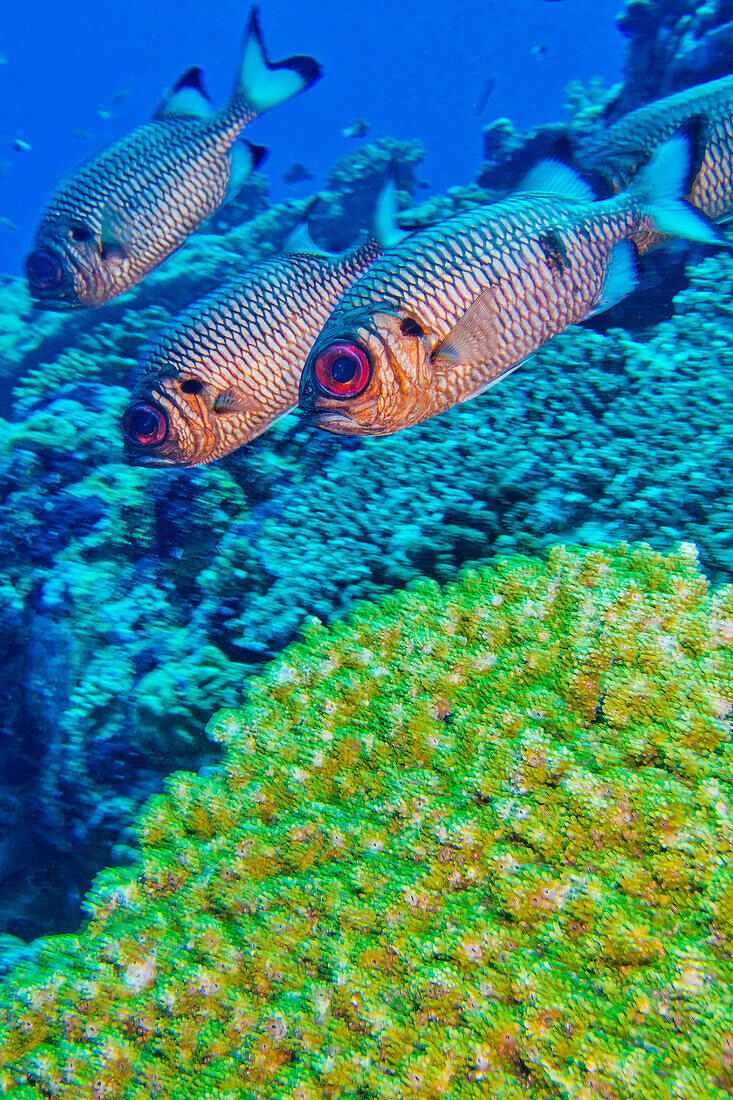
(116, 580)
(134, 601)
(672, 46)
(469, 842)
(97, 560)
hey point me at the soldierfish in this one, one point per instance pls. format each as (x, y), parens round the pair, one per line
(619, 149)
(126, 209)
(222, 371)
(455, 307)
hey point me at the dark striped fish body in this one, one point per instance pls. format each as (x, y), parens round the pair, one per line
(222, 371)
(618, 150)
(123, 211)
(454, 308)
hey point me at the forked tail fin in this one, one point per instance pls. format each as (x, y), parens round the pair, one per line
(661, 185)
(262, 83)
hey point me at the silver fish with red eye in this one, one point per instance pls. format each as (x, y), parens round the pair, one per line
(221, 372)
(455, 307)
(123, 211)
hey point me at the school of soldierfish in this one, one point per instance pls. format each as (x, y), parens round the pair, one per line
(402, 326)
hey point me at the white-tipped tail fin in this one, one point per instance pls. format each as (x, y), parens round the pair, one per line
(263, 83)
(661, 186)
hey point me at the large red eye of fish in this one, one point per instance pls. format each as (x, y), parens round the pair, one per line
(342, 370)
(144, 424)
(43, 270)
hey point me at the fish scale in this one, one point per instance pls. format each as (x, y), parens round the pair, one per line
(508, 229)
(173, 196)
(121, 213)
(454, 308)
(248, 337)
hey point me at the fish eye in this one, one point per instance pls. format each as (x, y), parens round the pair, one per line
(43, 269)
(144, 424)
(80, 233)
(191, 385)
(342, 370)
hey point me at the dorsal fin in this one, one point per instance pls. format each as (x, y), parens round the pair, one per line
(301, 241)
(385, 228)
(552, 177)
(187, 98)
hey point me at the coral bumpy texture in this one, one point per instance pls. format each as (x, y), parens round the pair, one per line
(470, 842)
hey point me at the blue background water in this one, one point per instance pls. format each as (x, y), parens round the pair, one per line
(410, 69)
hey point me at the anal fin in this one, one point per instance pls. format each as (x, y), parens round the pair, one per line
(621, 277)
(245, 158)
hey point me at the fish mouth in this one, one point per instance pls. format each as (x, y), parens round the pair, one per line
(155, 462)
(56, 305)
(328, 420)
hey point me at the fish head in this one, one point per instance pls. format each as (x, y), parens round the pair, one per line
(171, 424)
(73, 264)
(186, 412)
(369, 374)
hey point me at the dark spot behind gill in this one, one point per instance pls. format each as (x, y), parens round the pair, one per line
(554, 251)
(410, 327)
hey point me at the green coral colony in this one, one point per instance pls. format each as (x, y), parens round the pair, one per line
(470, 842)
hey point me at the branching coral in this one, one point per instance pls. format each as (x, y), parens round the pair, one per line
(472, 842)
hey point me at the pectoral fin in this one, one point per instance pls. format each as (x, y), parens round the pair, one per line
(474, 338)
(233, 400)
(112, 234)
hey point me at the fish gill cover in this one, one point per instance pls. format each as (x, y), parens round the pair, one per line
(135, 603)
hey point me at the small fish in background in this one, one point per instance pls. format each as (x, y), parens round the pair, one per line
(226, 368)
(540, 51)
(357, 129)
(81, 135)
(120, 96)
(616, 151)
(296, 173)
(483, 99)
(21, 146)
(104, 113)
(3, 59)
(127, 208)
(457, 306)
(6, 226)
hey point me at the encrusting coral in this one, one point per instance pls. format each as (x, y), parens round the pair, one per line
(469, 842)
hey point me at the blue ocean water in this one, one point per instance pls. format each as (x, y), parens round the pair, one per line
(410, 70)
